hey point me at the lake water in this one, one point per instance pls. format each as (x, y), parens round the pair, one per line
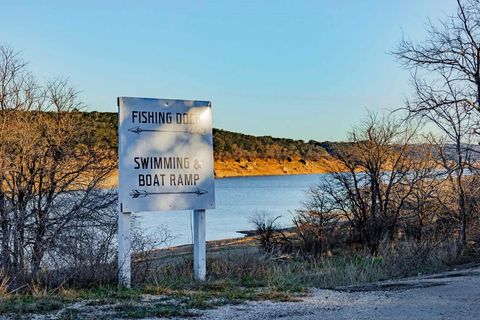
(237, 200)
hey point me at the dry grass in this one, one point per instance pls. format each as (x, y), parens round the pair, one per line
(233, 278)
(297, 275)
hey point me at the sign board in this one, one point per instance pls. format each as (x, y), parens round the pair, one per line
(165, 155)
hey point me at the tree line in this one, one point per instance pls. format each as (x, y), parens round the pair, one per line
(227, 145)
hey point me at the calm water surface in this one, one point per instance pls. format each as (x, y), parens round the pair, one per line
(237, 200)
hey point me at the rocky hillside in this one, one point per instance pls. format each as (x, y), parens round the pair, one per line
(239, 154)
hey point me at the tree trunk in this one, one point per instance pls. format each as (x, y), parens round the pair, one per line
(461, 195)
(4, 225)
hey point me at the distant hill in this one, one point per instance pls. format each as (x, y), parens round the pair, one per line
(227, 145)
(238, 154)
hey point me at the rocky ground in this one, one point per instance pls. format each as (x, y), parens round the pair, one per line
(449, 295)
(261, 167)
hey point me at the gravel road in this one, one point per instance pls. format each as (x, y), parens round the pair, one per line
(449, 295)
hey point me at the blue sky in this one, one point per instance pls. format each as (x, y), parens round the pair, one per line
(296, 69)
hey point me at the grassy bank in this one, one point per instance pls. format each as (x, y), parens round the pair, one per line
(168, 290)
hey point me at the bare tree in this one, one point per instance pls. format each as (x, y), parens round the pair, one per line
(51, 180)
(450, 55)
(446, 78)
(381, 168)
(316, 222)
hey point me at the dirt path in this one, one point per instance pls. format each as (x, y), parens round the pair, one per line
(450, 295)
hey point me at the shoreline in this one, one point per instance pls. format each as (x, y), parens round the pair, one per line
(269, 167)
(262, 167)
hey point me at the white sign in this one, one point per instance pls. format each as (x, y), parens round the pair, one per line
(165, 155)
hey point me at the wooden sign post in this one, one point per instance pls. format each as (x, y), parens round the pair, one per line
(165, 163)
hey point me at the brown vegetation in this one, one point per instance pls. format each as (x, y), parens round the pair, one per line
(393, 203)
(400, 187)
(53, 213)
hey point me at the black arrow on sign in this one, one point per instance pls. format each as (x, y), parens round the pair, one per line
(138, 130)
(143, 193)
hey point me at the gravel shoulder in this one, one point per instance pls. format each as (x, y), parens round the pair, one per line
(448, 295)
